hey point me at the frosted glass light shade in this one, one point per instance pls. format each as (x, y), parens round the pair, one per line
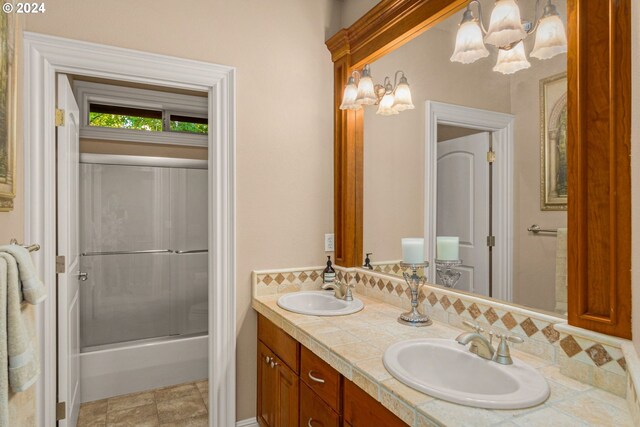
(349, 96)
(469, 44)
(505, 26)
(512, 60)
(402, 97)
(551, 38)
(366, 93)
(385, 108)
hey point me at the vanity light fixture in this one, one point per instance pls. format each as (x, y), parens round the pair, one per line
(507, 32)
(390, 98)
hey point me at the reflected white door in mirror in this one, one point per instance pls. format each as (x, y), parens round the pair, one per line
(468, 186)
(463, 207)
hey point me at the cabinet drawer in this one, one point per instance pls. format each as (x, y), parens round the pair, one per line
(314, 412)
(321, 378)
(281, 343)
(362, 410)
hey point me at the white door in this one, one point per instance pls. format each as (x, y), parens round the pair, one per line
(68, 146)
(463, 206)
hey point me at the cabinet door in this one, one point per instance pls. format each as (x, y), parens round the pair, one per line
(267, 387)
(286, 409)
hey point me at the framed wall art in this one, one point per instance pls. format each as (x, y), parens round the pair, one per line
(8, 111)
(553, 143)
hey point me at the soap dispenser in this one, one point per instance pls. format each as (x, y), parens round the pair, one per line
(328, 274)
(367, 262)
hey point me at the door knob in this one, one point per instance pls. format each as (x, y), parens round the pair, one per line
(83, 276)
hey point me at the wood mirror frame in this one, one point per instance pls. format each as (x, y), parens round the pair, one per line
(599, 137)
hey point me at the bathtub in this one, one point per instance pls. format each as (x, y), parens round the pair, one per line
(143, 365)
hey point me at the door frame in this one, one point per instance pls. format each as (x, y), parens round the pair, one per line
(501, 127)
(44, 56)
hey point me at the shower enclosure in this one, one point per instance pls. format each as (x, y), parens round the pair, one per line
(143, 240)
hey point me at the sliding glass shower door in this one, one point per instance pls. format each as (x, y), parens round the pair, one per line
(144, 241)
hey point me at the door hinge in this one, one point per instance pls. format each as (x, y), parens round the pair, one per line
(491, 241)
(60, 264)
(491, 156)
(59, 117)
(61, 411)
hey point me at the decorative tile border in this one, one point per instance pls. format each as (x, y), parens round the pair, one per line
(391, 267)
(271, 282)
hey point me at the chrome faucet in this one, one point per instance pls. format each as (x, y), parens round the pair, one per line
(340, 290)
(479, 344)
(484, 348)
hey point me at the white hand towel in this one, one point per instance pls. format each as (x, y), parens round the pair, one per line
(33, 289)
(23, 365)
(19, 367)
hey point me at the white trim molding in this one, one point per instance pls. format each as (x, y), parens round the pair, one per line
(45, 56)
(249, 422)
(501, 127)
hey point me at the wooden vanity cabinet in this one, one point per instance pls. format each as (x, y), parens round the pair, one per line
(298, 388)
(278, 380)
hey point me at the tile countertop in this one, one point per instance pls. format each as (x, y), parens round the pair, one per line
(354, 345)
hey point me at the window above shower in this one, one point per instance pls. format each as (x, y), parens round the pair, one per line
(119, 113)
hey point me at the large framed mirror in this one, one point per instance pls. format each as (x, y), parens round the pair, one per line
(529, 170)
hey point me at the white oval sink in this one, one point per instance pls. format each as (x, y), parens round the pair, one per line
(445, 369)
(319, 303)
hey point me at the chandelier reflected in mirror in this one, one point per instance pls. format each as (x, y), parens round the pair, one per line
(390, 98)
(507, 31)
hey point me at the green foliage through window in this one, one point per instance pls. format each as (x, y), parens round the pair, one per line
(119, 117)
(189, 127)
(125, 122)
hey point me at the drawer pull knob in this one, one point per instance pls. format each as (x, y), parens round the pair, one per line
(309, 423)
(273, 363)
(316, 379)
(267, 359)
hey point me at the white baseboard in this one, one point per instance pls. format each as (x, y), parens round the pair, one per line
(249, 422)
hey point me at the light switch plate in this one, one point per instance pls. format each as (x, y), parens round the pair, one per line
(329, 243)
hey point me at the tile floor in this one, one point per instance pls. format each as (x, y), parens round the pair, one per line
(176, 406)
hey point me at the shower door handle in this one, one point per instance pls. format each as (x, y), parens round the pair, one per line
(83, 276)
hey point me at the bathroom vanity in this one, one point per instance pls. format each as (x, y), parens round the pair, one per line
(298, 388)
(297, 352)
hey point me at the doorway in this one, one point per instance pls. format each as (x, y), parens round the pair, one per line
(46, 57)
(494, 131)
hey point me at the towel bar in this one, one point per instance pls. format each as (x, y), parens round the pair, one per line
(31, 248)
(151, 251)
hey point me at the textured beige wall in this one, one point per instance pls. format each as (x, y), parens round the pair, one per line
(394, 150)
(635, 172)
(284, 119)
(352, 10)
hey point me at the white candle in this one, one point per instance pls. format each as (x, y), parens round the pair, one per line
(413, 250)
(447, 248)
